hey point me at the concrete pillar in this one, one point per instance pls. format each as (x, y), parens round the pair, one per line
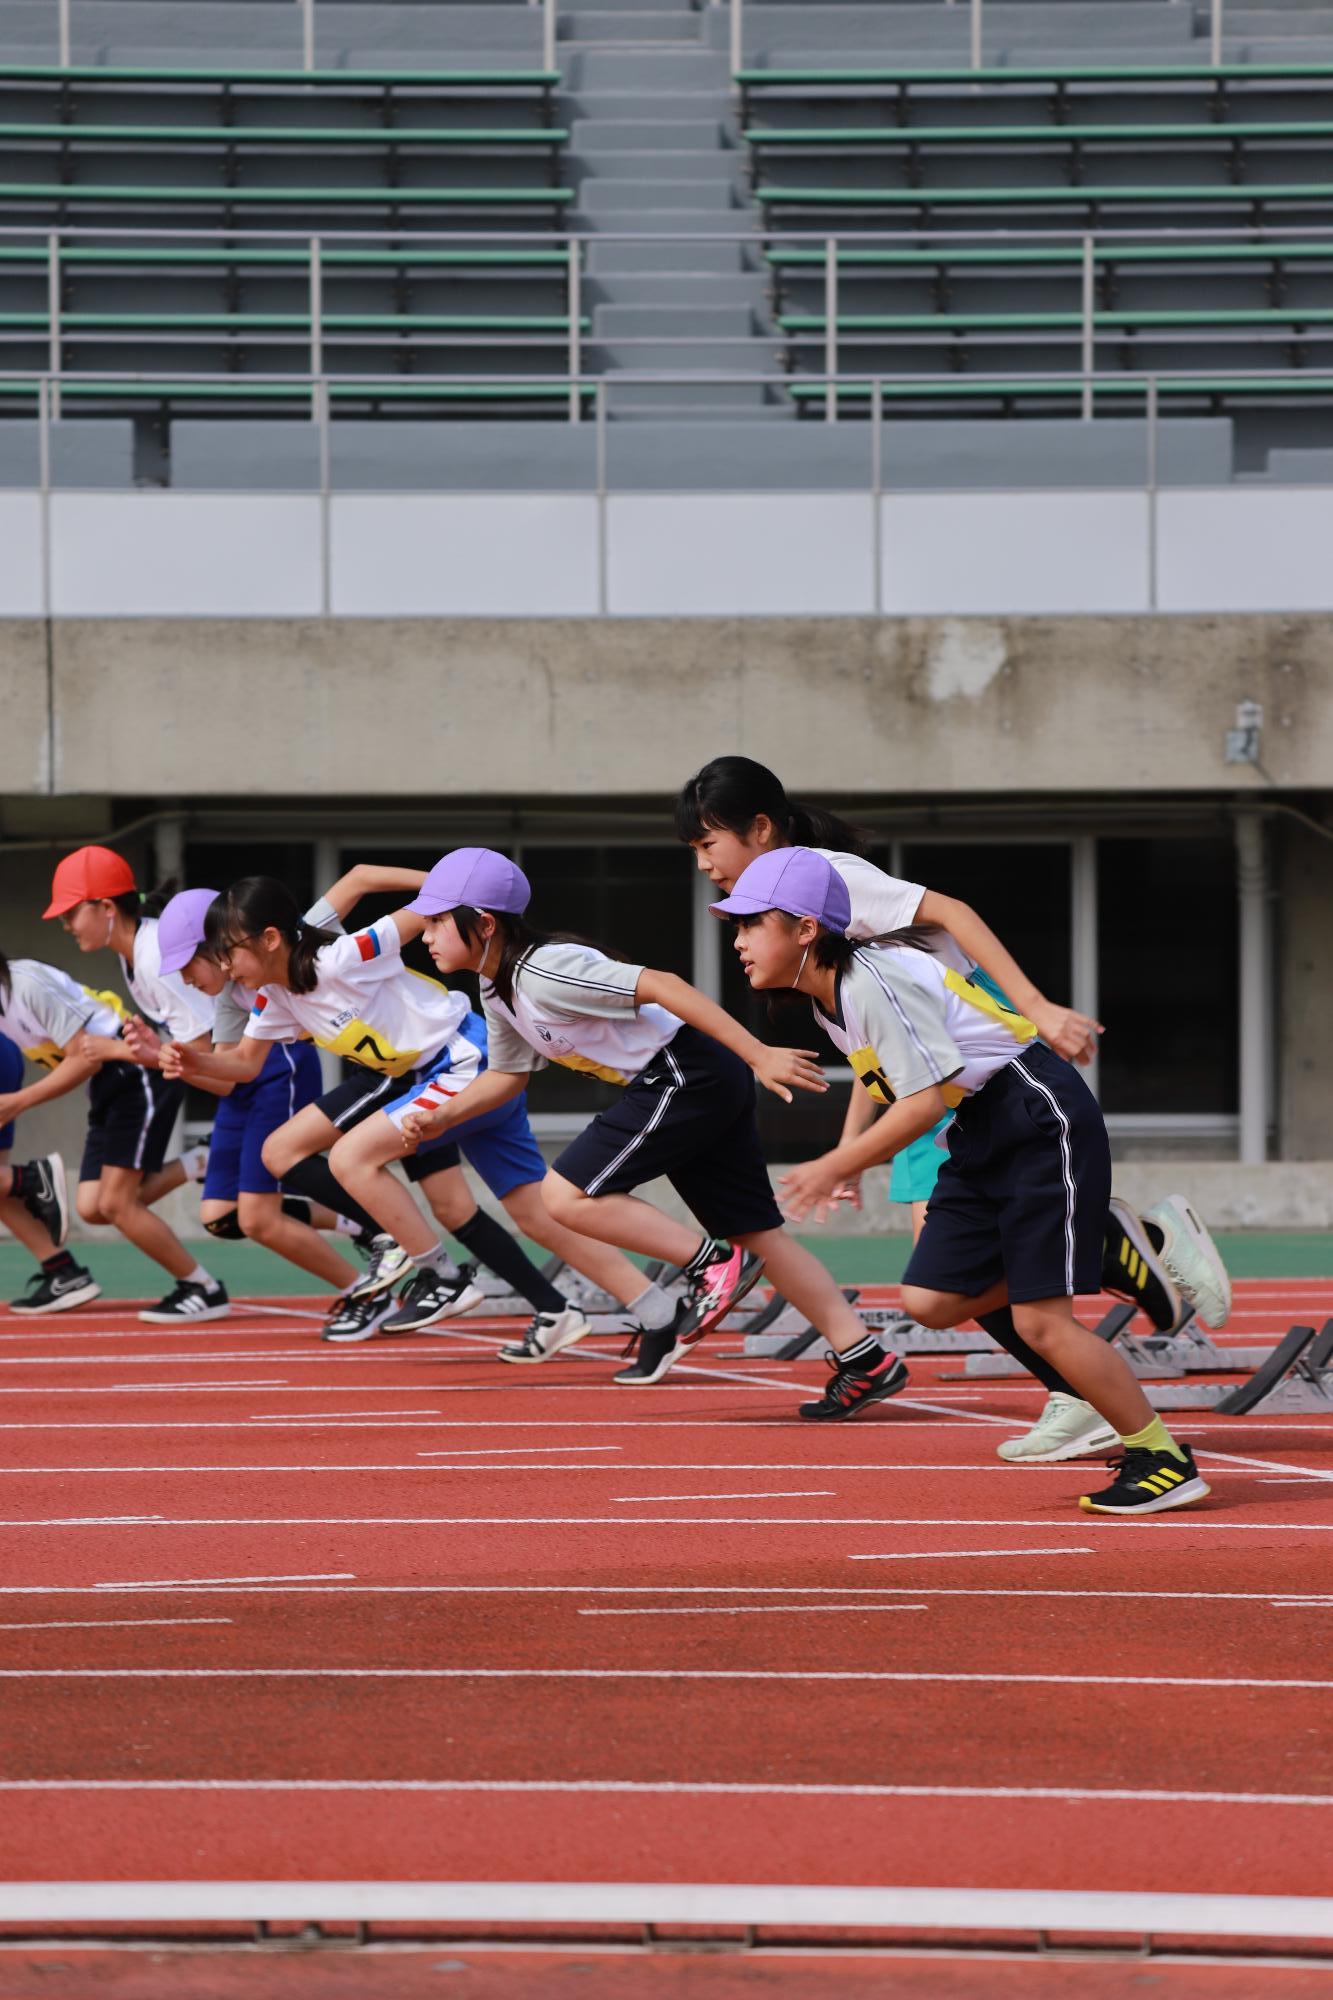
(710, 933)
(1084, 970)
(1253, 979)
(325, 871)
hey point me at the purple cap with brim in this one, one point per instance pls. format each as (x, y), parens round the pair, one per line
(794, 879)
(180, 928)
(476, 878)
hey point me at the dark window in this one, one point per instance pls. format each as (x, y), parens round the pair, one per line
(1020, 888)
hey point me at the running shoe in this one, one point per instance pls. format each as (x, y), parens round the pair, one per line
(1066, 1428)
(1191, 1256)
(848, 1391)
(546, 1334)
(1132, 1270)
(351, 1319)
(48, 1201)
(1148, 1482)
(655, 1350)
(430, 1296)
(715, 1291)
(387, 1263)
(59, 1292)
(189, 1302)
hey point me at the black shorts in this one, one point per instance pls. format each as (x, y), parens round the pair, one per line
(130, 1119)
(690, 1116)
(1023, 1194)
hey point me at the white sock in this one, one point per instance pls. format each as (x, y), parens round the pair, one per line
(653, 1308)
(195, 1163)
(199, 1276)
(437, 1260)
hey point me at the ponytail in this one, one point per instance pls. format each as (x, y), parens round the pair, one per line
(518, 940)
(260, 903)
(135, 904)
(6, 982)
(731, 792)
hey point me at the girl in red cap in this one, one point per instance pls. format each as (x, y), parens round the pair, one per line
(134, 1107)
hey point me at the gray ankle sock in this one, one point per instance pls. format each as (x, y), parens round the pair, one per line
(437, 1260)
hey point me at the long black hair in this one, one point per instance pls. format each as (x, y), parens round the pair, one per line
(518, 940)
(137, 903)
(6, 982)
(731, 792)
(260, 903)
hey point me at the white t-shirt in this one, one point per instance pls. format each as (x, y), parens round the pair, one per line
(44, 1009)
(575, 1006)
(366, 1005)
(163, 997)
(882, 903)
(905, 1021)
(232, 1006)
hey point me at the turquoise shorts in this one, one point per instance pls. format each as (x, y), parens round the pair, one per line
(916, 1168)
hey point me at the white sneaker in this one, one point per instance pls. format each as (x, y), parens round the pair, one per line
(1193, 1259)
(1066, 1428)
(546, 1335)
(388, 1261)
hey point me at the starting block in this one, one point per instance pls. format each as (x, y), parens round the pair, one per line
(777, 1336)
(1294, 1378)
(1187, 1350)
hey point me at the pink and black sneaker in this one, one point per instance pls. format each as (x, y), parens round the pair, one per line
(720, 1284)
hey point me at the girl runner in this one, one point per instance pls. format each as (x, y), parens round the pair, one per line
(43, 1014)
(93, 892)
(733, 811)
(687, 1112)
(1018, 1213)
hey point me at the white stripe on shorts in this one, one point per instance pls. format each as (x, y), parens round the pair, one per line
(1066, 1168)
(598, 1181)
(147, 1125)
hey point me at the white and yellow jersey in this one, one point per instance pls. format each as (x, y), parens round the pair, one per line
(575, 1006)
(45, 1009)
(366, 1005)
(163, 997)
(905, 1021)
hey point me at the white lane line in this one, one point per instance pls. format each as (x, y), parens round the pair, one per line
(491, 1388)
(1207, 1525)
(330, 1416)
(655, 1499)
(246, 1585)
(106, 1624)
(735, 1611)
(526, 1450)
(649, 1788)
(968, 1555)
(670, 1673)
(508, 1451)
(1262, 1464)
(1285, 1426)
(207, 1582)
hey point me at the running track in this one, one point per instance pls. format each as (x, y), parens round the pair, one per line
(270, 1610)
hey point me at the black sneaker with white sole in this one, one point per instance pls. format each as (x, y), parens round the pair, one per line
(47, 1200)
(655, 1349)
(353, 1317)
(187, 1303)
(1148, 1482)
(58, 1291)
(848, 1391)
(545, 1335)
(429, 1297)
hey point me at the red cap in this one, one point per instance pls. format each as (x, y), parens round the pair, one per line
(86, 876)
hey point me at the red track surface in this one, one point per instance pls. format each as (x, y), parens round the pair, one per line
(524, 1625)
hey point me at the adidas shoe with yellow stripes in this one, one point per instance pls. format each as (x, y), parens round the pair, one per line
(1148, 1482)
(1132, 1269)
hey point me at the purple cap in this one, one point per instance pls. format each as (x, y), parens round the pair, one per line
(794, 879)
(475, 877)
(180, 928)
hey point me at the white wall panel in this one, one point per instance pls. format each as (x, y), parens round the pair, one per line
(461, 555)
(759, 554)
(1246, 550)
(955, 553)
(204, 555)
(20, 555)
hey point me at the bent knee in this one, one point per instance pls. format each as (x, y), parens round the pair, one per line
(562, 1199)
(260, 1221)
(278, 1157)
(933, 1309)
(88, 1202)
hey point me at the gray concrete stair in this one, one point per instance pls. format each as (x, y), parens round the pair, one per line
(600, 27)
(674, 164)
(644, 135)
(663, 262)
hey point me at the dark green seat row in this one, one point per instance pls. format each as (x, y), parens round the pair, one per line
(1286, 318)
(834, 139)
(238, 138)
(826, 201)
(309, 201)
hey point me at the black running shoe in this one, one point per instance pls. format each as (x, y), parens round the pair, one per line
(428, 1297)
(48, 1202)
(58, 1293)
(848, 1391)
(545, 1335)
(352, 1317)
(655, 1350)
(1132, 1269)
(386, 1262)
(189, 1302)
(1148, 1482)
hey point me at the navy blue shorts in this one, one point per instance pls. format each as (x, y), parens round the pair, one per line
(499, 1145)
(690, 1115)
(130, 1120)
(11, 1078)
(290, 1079)
(1023, 1194)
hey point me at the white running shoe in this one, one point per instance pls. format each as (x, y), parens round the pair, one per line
(546, 1335)
(1066, 1428)
(1193, 1259)
(388, 1261)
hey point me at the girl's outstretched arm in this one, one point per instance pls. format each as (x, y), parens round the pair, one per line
(1070, 1034)
(813, 1185)
(193, 1063)
(779, 1070)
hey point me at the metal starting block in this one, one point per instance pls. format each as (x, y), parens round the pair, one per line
(1294, 1378)
(1188, 1350)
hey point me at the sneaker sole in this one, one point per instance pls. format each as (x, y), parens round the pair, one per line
(719, 1313)
(522, 1358)
(65, 1303)
(466, 1302)
(361, 1333)
(815, 1413)
(1208, 1287)
(370, 1288)
(1098, 1440)
(1179, 1496)
(185, 1319)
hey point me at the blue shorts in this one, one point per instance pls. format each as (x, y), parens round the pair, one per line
(916, 1169)
(290, 1079)
(499, 1146)
(11, 1078)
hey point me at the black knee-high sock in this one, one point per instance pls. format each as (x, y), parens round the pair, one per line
(491, 1244)
(1000, 1326)
(316, 1179)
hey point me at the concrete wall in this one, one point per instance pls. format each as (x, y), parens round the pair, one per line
(569, 708)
